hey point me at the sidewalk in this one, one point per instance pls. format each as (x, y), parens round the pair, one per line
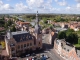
(57, 54)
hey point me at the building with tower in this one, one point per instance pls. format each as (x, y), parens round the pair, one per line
(23, 41)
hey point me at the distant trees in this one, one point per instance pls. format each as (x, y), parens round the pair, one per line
(8, 23)
(69, 35)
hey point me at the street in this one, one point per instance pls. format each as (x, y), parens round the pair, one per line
(49, 49)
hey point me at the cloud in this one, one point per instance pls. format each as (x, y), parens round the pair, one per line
(1, 3)
(5, 6)
(35, 3)
(41, 5)
(56, 0)
(68, 8)
(77, 1)
(78, 5)
(21, 7)
(61, 3)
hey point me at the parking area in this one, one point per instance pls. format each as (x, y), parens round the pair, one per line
(35, 57)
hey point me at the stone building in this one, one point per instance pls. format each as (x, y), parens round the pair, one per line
(22, 41)
(66, 50)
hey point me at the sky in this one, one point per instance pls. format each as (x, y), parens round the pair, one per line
(42, 6)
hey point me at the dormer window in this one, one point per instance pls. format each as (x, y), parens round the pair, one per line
(29, 36)
(24, 35)
(21, 39)
(68, 50)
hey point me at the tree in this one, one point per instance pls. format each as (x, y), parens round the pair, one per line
(79, 41)
(9, 22)
(61, 35)
(13, 29)
(3, 44)
(72, 38)
(69, 31)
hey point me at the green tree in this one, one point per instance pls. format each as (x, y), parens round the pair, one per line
(69, 31)
(3, 44)
(13, 29)
(9, 22)
(72, 38)
(62, 35)
(79, 41)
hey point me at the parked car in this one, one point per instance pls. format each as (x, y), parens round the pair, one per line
(27, 59)
(46, 56)
(33, 54)
(33, 58)
(27, 55)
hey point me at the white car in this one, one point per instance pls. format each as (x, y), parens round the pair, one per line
(46, 56)
(27, 55)
(32, 58)
(27, 59)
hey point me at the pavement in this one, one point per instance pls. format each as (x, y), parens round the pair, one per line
(49, 49)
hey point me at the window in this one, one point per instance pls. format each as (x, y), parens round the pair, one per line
(39, 42)
(24, 45)
(64, 48)
(18, 47)
(61, 44)
(57, 42)
(30, 44)
(29, 37)
(21, 39)
(12, 49)
(67, 49)
(21, 46)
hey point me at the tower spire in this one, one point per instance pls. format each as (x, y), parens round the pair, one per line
(37, 19)
(37, 27)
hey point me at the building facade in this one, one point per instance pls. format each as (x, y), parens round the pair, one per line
(66, 50)
(22, 41)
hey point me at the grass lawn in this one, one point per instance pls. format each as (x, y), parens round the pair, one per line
(77, 45)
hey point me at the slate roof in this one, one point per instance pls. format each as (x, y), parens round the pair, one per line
(21, 36)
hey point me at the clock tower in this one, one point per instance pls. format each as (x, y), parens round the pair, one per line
(38, 33)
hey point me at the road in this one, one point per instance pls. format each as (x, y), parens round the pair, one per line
(49, 49)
